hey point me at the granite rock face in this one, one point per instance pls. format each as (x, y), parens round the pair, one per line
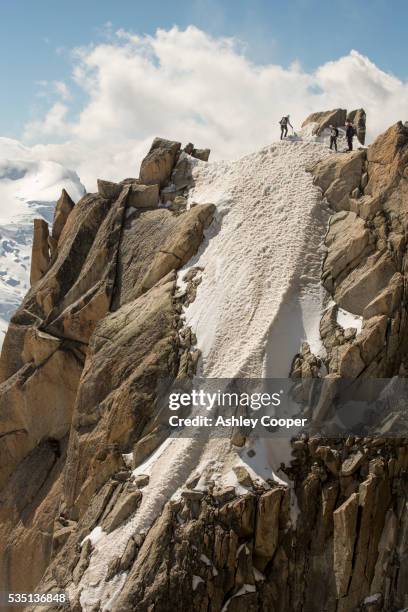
(81, 361)
(40, 260)
(366, 267)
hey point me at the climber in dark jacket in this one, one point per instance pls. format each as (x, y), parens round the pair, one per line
(334, 133)
(350, 132)
(284, 122)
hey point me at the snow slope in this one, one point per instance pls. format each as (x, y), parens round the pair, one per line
(28, 189)
(259, 298)
(260, 294)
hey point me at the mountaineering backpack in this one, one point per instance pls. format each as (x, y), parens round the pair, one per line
(283, 121)
(351, 131)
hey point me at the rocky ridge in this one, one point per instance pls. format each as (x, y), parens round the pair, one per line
(95, 269)
(104, 310)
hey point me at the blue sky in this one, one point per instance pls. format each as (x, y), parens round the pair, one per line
(36, 37)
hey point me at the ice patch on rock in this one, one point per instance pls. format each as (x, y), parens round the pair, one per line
(347, 319)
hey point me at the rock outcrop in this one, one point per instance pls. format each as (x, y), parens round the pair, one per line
(158, 165)
(365, 268)
(40, 259)
(365, 272)
(358, 119)
(338, 118)
(63, 209)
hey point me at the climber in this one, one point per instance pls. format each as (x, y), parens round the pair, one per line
(334, 133)
(284, 122)
(350, 133)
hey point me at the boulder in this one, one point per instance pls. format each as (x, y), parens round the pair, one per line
(358, 118)
(130, 181)
(40, 258)
(141, 480)
(144, 196)
(192, 494)
(242, 513)
(109, 190)
(189, 148)
(13, 346)
(330, 458)
(336, 117)
(352, 463)
(122, 476)
(224, 494)
(242, 475)
(157, 166)
(202, 154)
(179, 204)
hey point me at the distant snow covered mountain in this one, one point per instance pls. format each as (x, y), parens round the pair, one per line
(29, 188)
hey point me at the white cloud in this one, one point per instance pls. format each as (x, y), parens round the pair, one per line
(53, 124)
(189, 86)
(62, 90)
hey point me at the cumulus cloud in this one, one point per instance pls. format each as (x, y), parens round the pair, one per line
(54, 124)
(190, 86)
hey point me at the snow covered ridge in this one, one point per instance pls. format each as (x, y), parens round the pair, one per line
(28, 190)
(260, 294)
